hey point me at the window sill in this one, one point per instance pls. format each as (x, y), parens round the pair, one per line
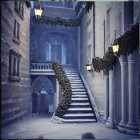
(16, 40)
(14, 78)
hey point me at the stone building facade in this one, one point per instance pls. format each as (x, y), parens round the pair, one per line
(49, 44)
(15, 78)
(96, 34)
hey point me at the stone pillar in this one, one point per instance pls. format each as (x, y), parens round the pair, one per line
(106, 115)
(110, 121)
(57, 93)
(132, 126)
(124, 93)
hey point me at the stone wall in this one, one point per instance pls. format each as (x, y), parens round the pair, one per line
(109, 16)
(15, 95)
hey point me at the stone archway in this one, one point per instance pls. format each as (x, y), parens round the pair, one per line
(42, 95)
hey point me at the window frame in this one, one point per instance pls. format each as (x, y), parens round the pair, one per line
(16, 32)
(19, 8)
(14, 66)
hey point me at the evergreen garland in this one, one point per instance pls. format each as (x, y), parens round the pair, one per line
(66, 88)
(88, 6)
(128, 42)
(58, 21)
(106, 63)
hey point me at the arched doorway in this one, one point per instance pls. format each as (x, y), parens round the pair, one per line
(42, 96)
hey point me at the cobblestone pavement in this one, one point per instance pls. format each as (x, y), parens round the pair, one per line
(35, 126)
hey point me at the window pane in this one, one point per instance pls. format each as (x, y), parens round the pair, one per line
(10, 64)
(18, 31)
(15, 28)
(14, 67)
(18, 67)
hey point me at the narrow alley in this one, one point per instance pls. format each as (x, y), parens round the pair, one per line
(70, 69)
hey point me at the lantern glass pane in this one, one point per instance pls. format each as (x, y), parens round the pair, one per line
(89, 67)
(38, 12)
(115, 48)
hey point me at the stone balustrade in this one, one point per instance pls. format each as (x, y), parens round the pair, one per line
(41, 66)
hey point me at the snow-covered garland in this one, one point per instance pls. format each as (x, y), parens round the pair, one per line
(128, 42)
(66, 88)
(63, 21)
(57, 21)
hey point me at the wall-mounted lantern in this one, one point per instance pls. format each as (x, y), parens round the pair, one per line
(38, 10)
(115, 46)
(89, 66)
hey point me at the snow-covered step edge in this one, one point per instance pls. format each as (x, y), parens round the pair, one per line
(76, 89)
(82, 93)
(74, 99)
(80, 108)
(76, 84)
(79, 115)
(79, 96)
(78, 120)
(80, 103)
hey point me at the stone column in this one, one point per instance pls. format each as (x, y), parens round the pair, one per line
(124, 93)
(110, 121)
(106, 96)
(132, 126)
(57, 93)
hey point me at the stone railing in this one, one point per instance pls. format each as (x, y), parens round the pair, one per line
(41, 66)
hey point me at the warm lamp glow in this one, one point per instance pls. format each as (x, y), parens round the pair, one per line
(115, 48)
(88, 67)
(38, 10)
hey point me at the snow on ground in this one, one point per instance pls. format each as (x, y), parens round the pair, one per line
(35, 126)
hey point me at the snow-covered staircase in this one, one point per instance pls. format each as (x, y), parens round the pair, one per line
(80, 110)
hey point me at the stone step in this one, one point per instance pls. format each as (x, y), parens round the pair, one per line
(80, 103)
(79, 99)
(79, 120)
(73, 78)
(79, 117)
(78, 96)
(76, 84)
(82, 114)
(73, 106)
(72, 75)
(78, 111)
(78, 89)
(79, 93)
(72, 72)
(80, 108)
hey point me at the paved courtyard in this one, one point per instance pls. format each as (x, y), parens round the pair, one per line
(35, 126)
